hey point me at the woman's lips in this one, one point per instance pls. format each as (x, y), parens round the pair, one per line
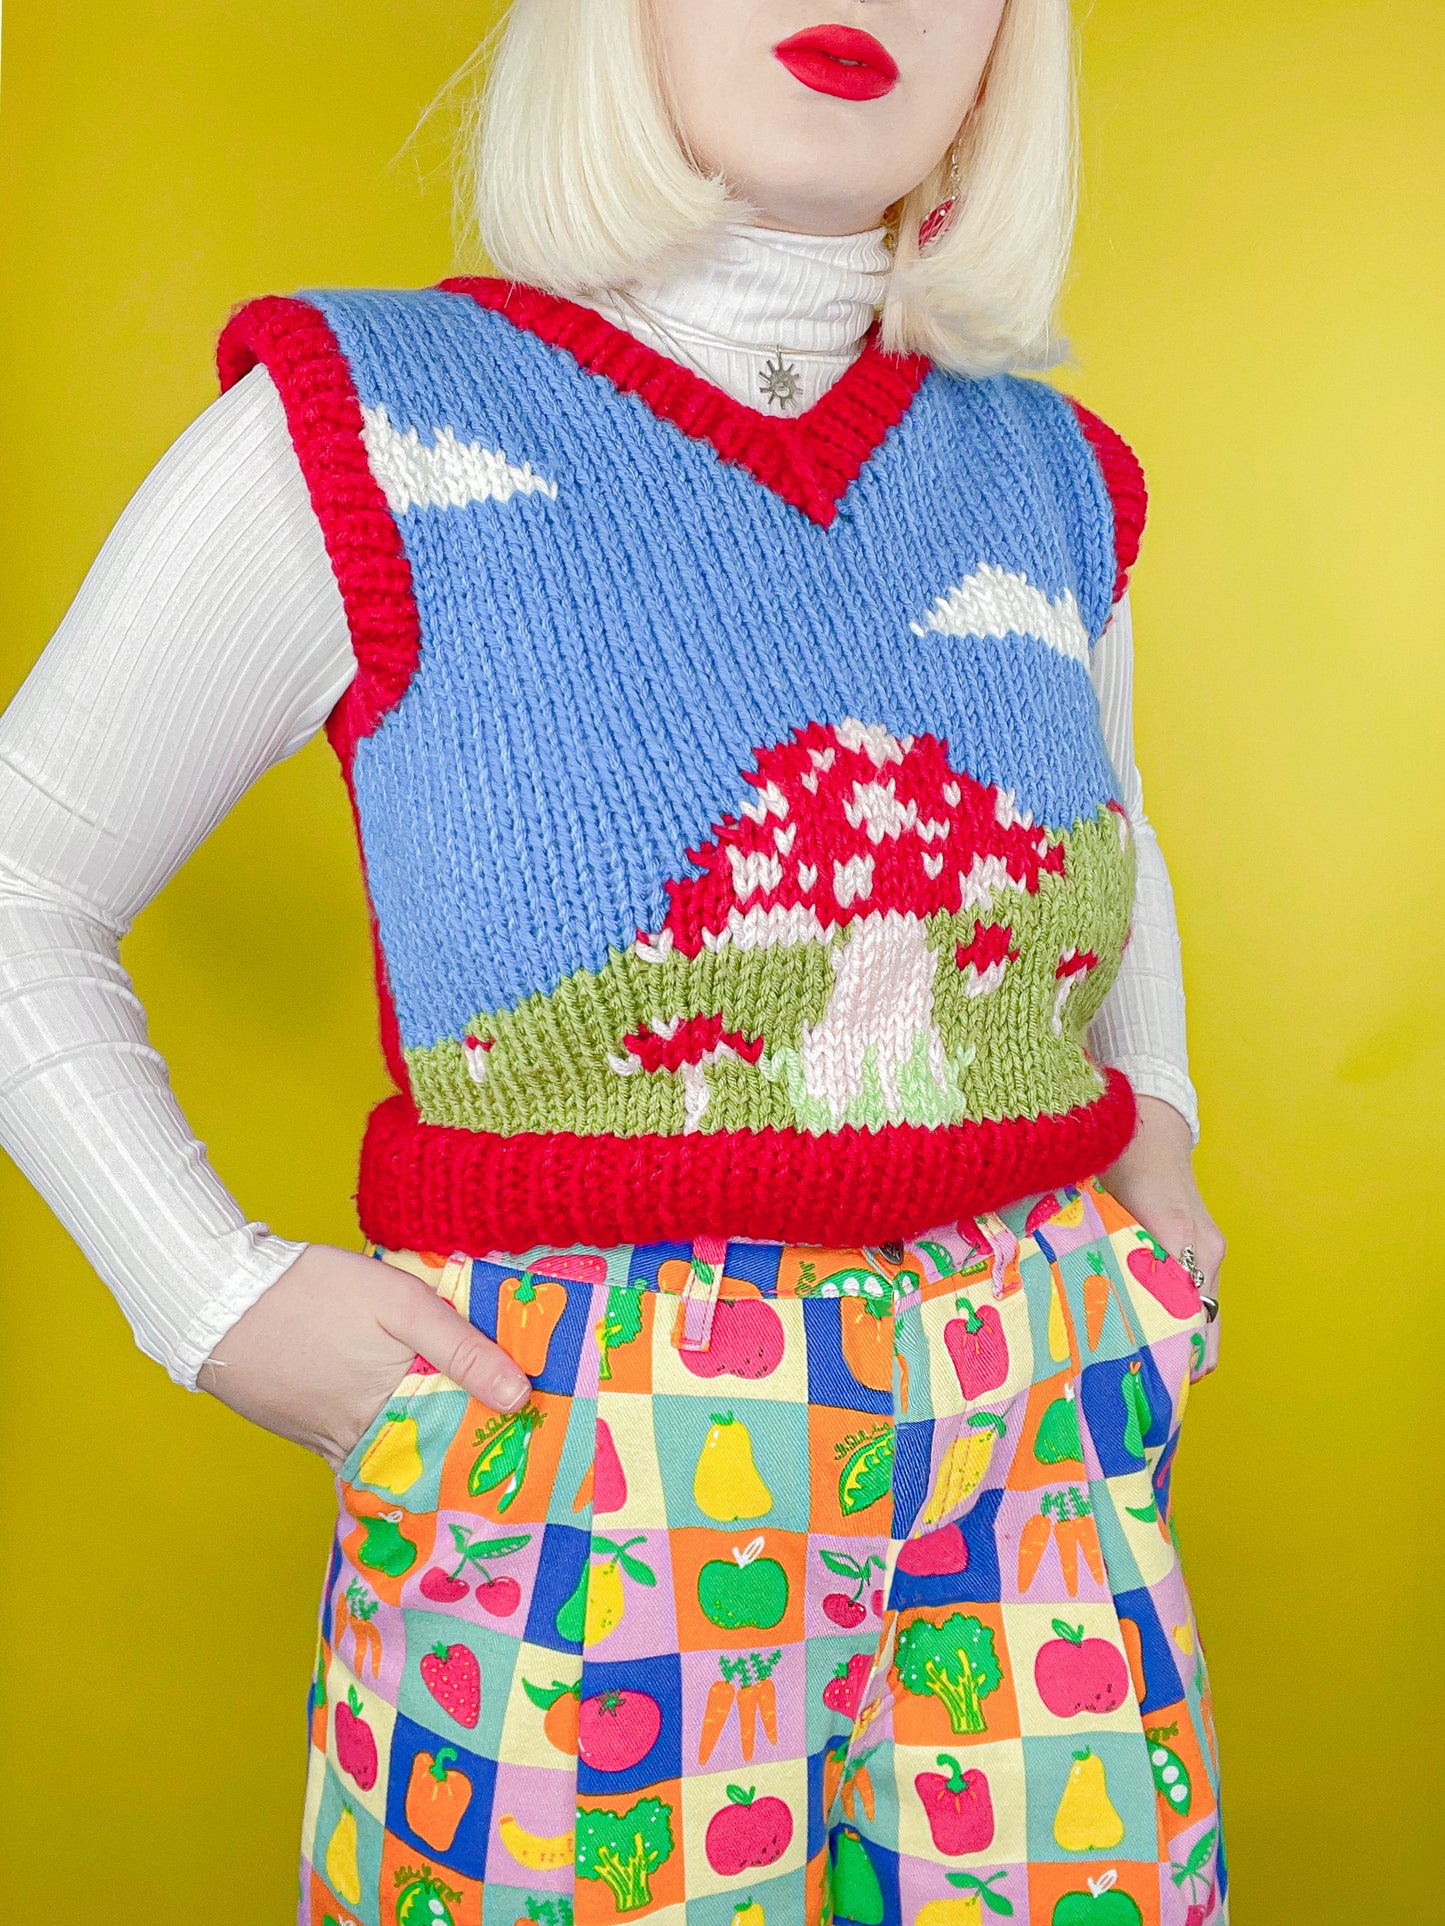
(839, 60)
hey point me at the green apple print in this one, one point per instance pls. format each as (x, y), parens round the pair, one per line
(384, 1549)
(751, 1591)
(1101, 1905)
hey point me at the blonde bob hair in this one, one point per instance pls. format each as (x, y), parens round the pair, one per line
(573, 177)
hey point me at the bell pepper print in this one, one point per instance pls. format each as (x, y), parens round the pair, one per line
(743, 1626)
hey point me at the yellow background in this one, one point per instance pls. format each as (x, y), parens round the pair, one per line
(1258, 304)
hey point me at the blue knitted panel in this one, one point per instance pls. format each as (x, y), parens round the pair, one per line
(597, 669)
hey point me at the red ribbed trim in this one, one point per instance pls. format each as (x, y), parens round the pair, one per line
(431, 1187)
(300, 353)
(811, 461)
(294, 343)
(1124, 478)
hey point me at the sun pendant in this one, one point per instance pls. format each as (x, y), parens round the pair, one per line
(780, 381)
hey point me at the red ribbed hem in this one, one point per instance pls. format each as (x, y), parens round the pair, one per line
(435, 1188)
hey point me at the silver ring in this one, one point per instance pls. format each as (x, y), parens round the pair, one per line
(1199, 1280)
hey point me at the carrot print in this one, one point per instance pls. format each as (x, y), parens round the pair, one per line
(366, 1637)
(1066, 1537)
(1034, 1542)
(1086, 1533)
(768, 1707)
(751, 1701)
(857, 1785)
(720, 1697)
(747, 1682)
(1096, 1304)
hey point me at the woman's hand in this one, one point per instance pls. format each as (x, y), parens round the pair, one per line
(1154, 1181)
(319, 1353)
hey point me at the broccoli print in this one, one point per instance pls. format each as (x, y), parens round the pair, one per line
(955, 1663)
(625, 1849)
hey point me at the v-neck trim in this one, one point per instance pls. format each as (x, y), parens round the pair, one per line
(809, 460)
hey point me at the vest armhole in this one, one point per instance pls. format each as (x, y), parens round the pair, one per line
(1124, 479)
(294, 342)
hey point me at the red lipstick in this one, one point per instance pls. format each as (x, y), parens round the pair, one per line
(839, 60)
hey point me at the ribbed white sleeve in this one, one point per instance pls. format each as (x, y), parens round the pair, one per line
(207, 643)
(1141, 1026)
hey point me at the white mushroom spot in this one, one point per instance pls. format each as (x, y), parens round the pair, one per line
(880, 743)
(932, 864)
(807, 876)
(978, 883)
(853, 880)
(762, 929)
(876, 806)
(769, 801)
(753, 874)
(952, 794)
(1007, 813)
(785, 838)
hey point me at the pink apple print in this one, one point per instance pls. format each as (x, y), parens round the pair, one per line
(1166, 1281)
(748, 1831)
(746, 1341)
(1076, 1674)
(499, 1596)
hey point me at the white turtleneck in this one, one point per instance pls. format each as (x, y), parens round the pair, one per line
(208, 643)
(763, 298)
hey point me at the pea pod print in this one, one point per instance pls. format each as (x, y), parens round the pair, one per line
(503, 1458)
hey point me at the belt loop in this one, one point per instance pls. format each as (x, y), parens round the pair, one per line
(700, 1292)
(1004, 1252)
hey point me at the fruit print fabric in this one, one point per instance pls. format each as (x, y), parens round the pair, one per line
(709, 1636)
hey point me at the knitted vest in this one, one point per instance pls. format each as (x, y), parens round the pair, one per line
(743, 851)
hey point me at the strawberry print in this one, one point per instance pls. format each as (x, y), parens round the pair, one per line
(454, 1679)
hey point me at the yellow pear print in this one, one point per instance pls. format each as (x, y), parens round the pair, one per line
(1086, 1820)
(341, 1868)
(726, 1484)
(1058, 1326)
(392, 1462)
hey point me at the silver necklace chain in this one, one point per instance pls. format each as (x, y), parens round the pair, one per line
(780, 382)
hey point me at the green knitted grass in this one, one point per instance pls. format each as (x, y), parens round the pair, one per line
(549, 1064)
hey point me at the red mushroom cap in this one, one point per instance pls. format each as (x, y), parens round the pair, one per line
(850, 821)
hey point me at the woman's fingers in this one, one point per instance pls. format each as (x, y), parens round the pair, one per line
(419, 1318)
